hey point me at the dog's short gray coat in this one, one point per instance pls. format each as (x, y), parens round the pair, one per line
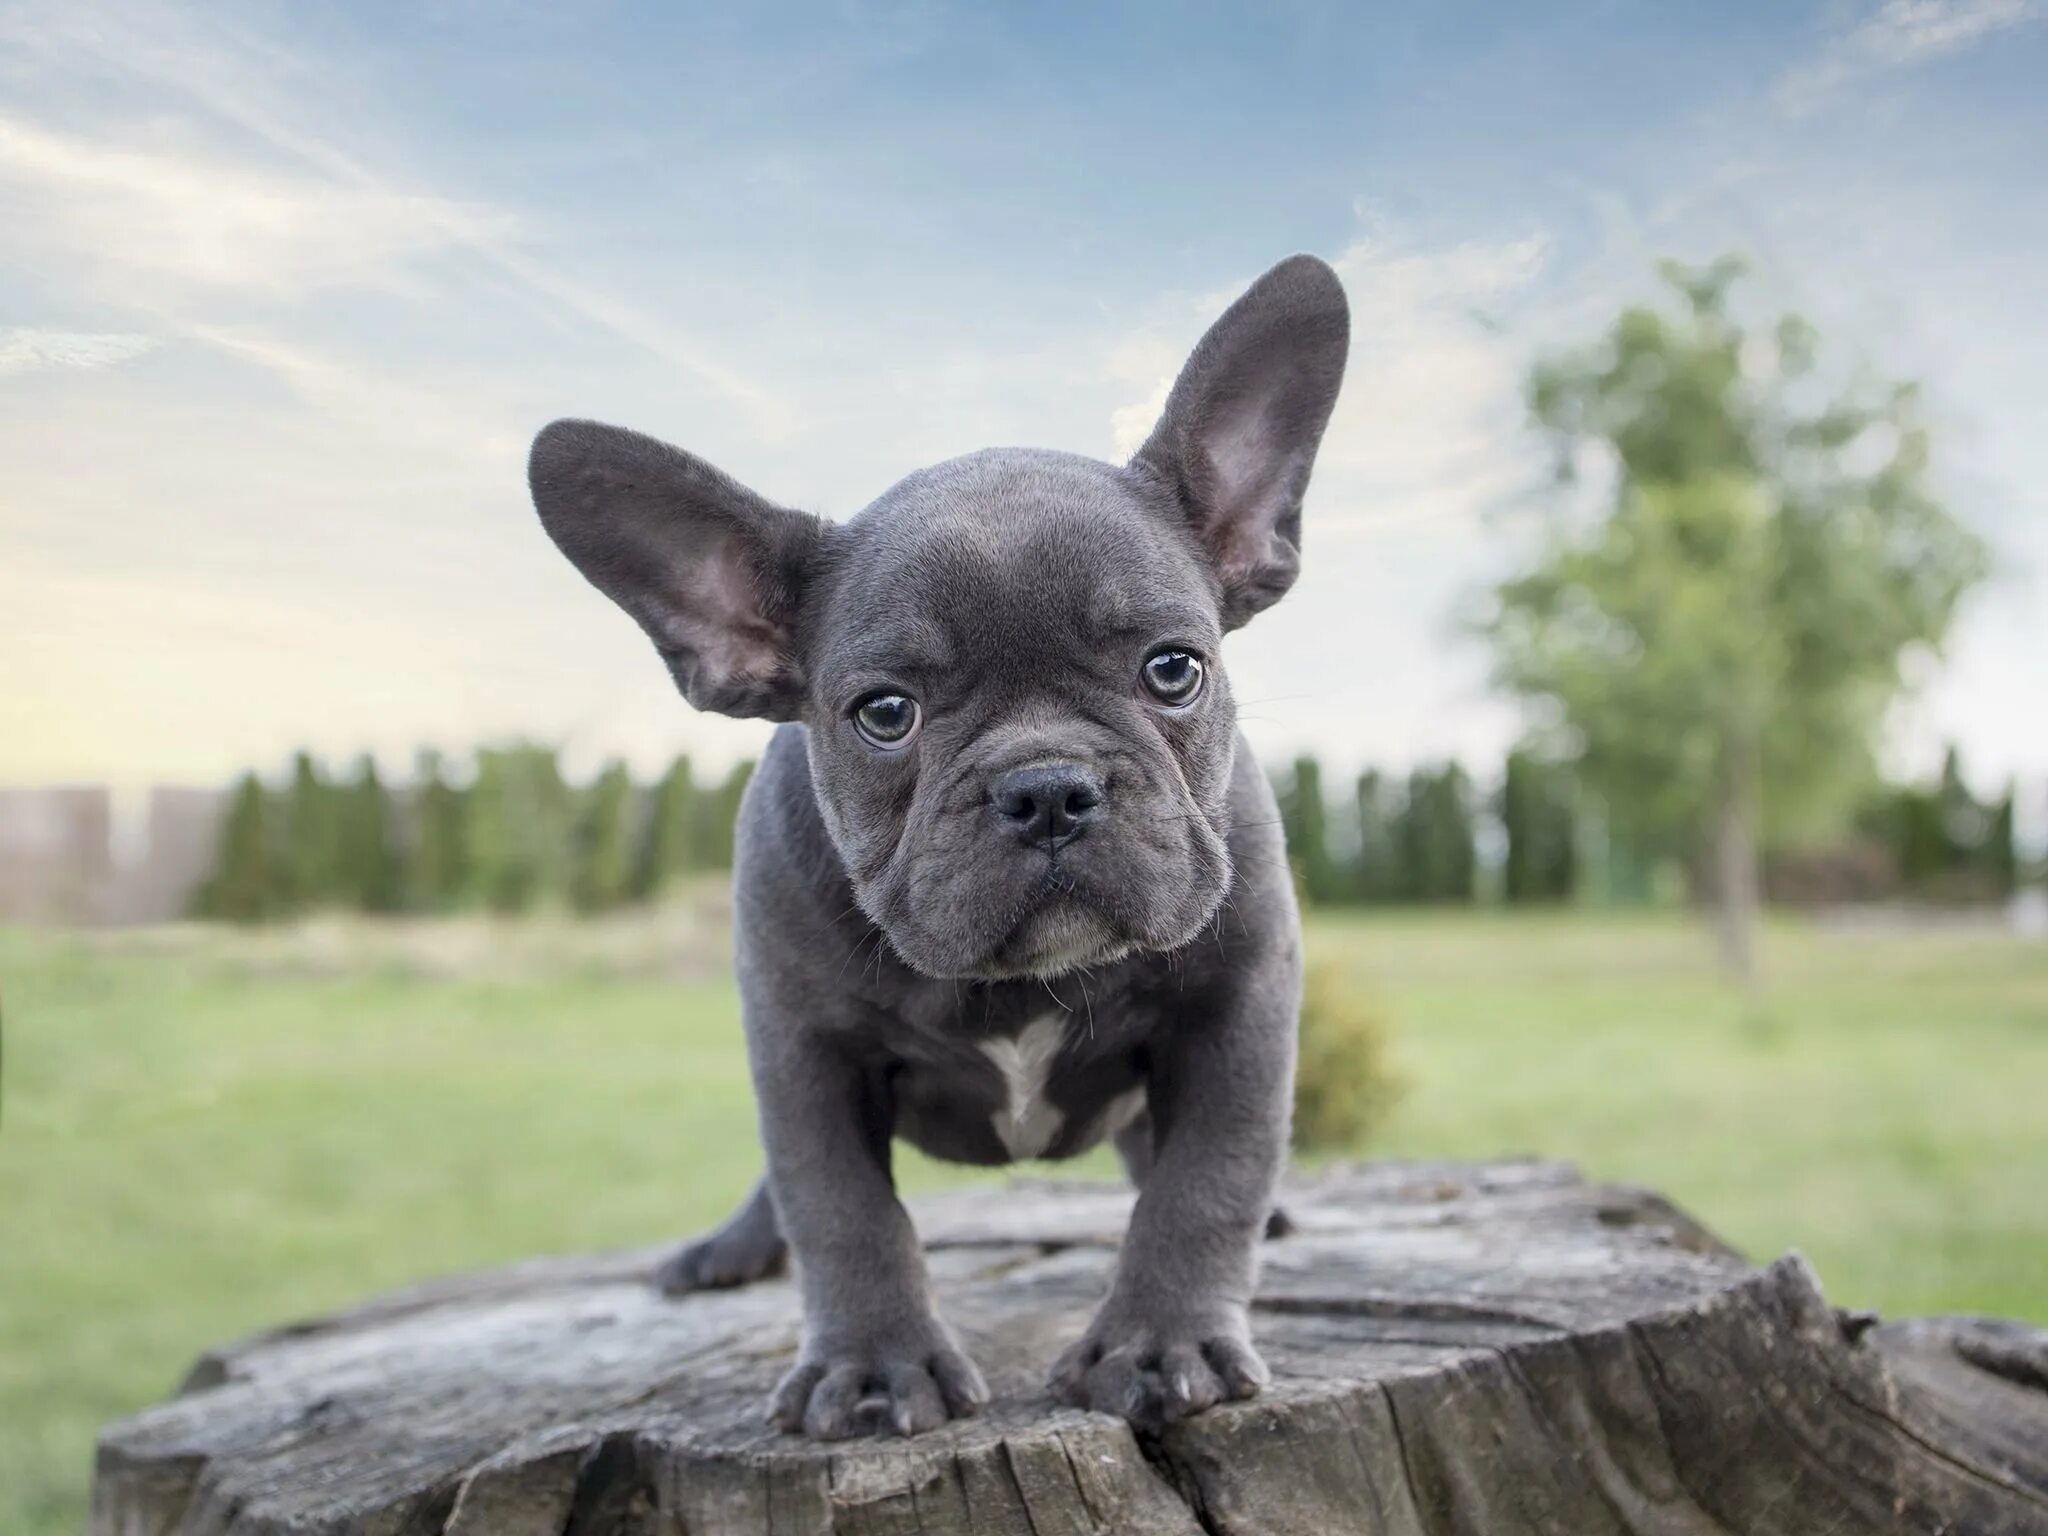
(1057, 911)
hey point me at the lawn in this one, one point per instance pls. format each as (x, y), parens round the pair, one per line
(203, 1133)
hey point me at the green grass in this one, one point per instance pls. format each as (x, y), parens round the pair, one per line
(206, 1133)
(1889, 1118)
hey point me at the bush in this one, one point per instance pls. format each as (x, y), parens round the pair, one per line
(1343, 1084)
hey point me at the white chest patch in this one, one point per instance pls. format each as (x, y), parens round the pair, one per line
(1027, 1123)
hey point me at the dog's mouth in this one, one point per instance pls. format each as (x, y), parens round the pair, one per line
(1058, 927)
(959, 905)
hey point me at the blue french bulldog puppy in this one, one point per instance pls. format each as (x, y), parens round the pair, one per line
(983, 869)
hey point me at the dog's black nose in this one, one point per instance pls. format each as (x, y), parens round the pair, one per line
(1047, 804)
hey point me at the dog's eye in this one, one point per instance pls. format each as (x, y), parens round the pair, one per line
(887, 720)
(1173, 677)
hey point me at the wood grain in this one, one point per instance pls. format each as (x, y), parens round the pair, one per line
(1457, 1349)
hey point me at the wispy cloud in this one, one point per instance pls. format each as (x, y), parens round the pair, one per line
(1898, 35)
(29, 349)
(1428, 423)
(308, 212)
(395, 407)
(1426, 426)
(206, 248)
(198, 222)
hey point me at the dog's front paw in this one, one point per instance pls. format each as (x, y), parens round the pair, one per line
(908, 1386)
(1155, 1373)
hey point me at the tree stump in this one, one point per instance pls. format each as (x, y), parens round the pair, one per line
(1493, 1349)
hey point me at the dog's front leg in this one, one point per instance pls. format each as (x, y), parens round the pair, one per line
(1174, 1335)
(874, 1351)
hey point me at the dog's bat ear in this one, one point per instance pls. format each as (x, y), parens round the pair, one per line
(1241, 427)
(711, 571)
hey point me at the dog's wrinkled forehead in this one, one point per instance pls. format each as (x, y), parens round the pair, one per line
(1009, 553)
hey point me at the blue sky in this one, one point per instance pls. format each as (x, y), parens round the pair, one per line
(285, 289)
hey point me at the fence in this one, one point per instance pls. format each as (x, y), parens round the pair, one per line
(60, 864)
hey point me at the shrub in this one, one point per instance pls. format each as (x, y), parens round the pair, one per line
(1343, 1084)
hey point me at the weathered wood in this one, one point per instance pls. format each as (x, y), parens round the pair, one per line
(1498, 1349)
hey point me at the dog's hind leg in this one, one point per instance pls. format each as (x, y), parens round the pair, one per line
(1135, 1147)
(748, 1247)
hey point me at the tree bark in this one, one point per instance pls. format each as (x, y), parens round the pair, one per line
(1737, 879)
(1458, 1350)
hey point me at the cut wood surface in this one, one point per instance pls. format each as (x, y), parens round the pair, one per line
(1456, 1349)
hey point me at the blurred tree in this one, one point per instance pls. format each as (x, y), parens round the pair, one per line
(437, 862)
(669, 850)
(2001, 847)
(1452, 830)
(1433, 832)
(1945, 843)
(1725, 637)
(1305, 818)
(519, 828)
(717, 813)
(1536, 812)
(1379, 873)
(244, 886)
(1415, 848)
(1964, 824)
(604, 842)
(1344, 1084)
(309, 832)
(1917, 840)
(366, 861)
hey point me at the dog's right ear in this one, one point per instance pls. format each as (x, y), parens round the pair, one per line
(711, 571)
(1242, 425)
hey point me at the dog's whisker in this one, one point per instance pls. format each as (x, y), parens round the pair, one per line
(833, 921)
(852, 950)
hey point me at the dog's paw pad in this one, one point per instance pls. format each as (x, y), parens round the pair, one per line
(877, 1391)
(1157, 1377)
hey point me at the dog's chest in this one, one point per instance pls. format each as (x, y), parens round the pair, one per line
(1026, 1122)
(1031, 1091)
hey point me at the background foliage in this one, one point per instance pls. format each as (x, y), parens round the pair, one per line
(515, 837)
(518, 837)
(1721, 639)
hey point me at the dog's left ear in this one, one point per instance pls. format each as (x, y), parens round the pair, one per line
(1242, 425)
(711, 571)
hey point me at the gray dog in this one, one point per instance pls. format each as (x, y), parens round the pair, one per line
(1008, 881)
